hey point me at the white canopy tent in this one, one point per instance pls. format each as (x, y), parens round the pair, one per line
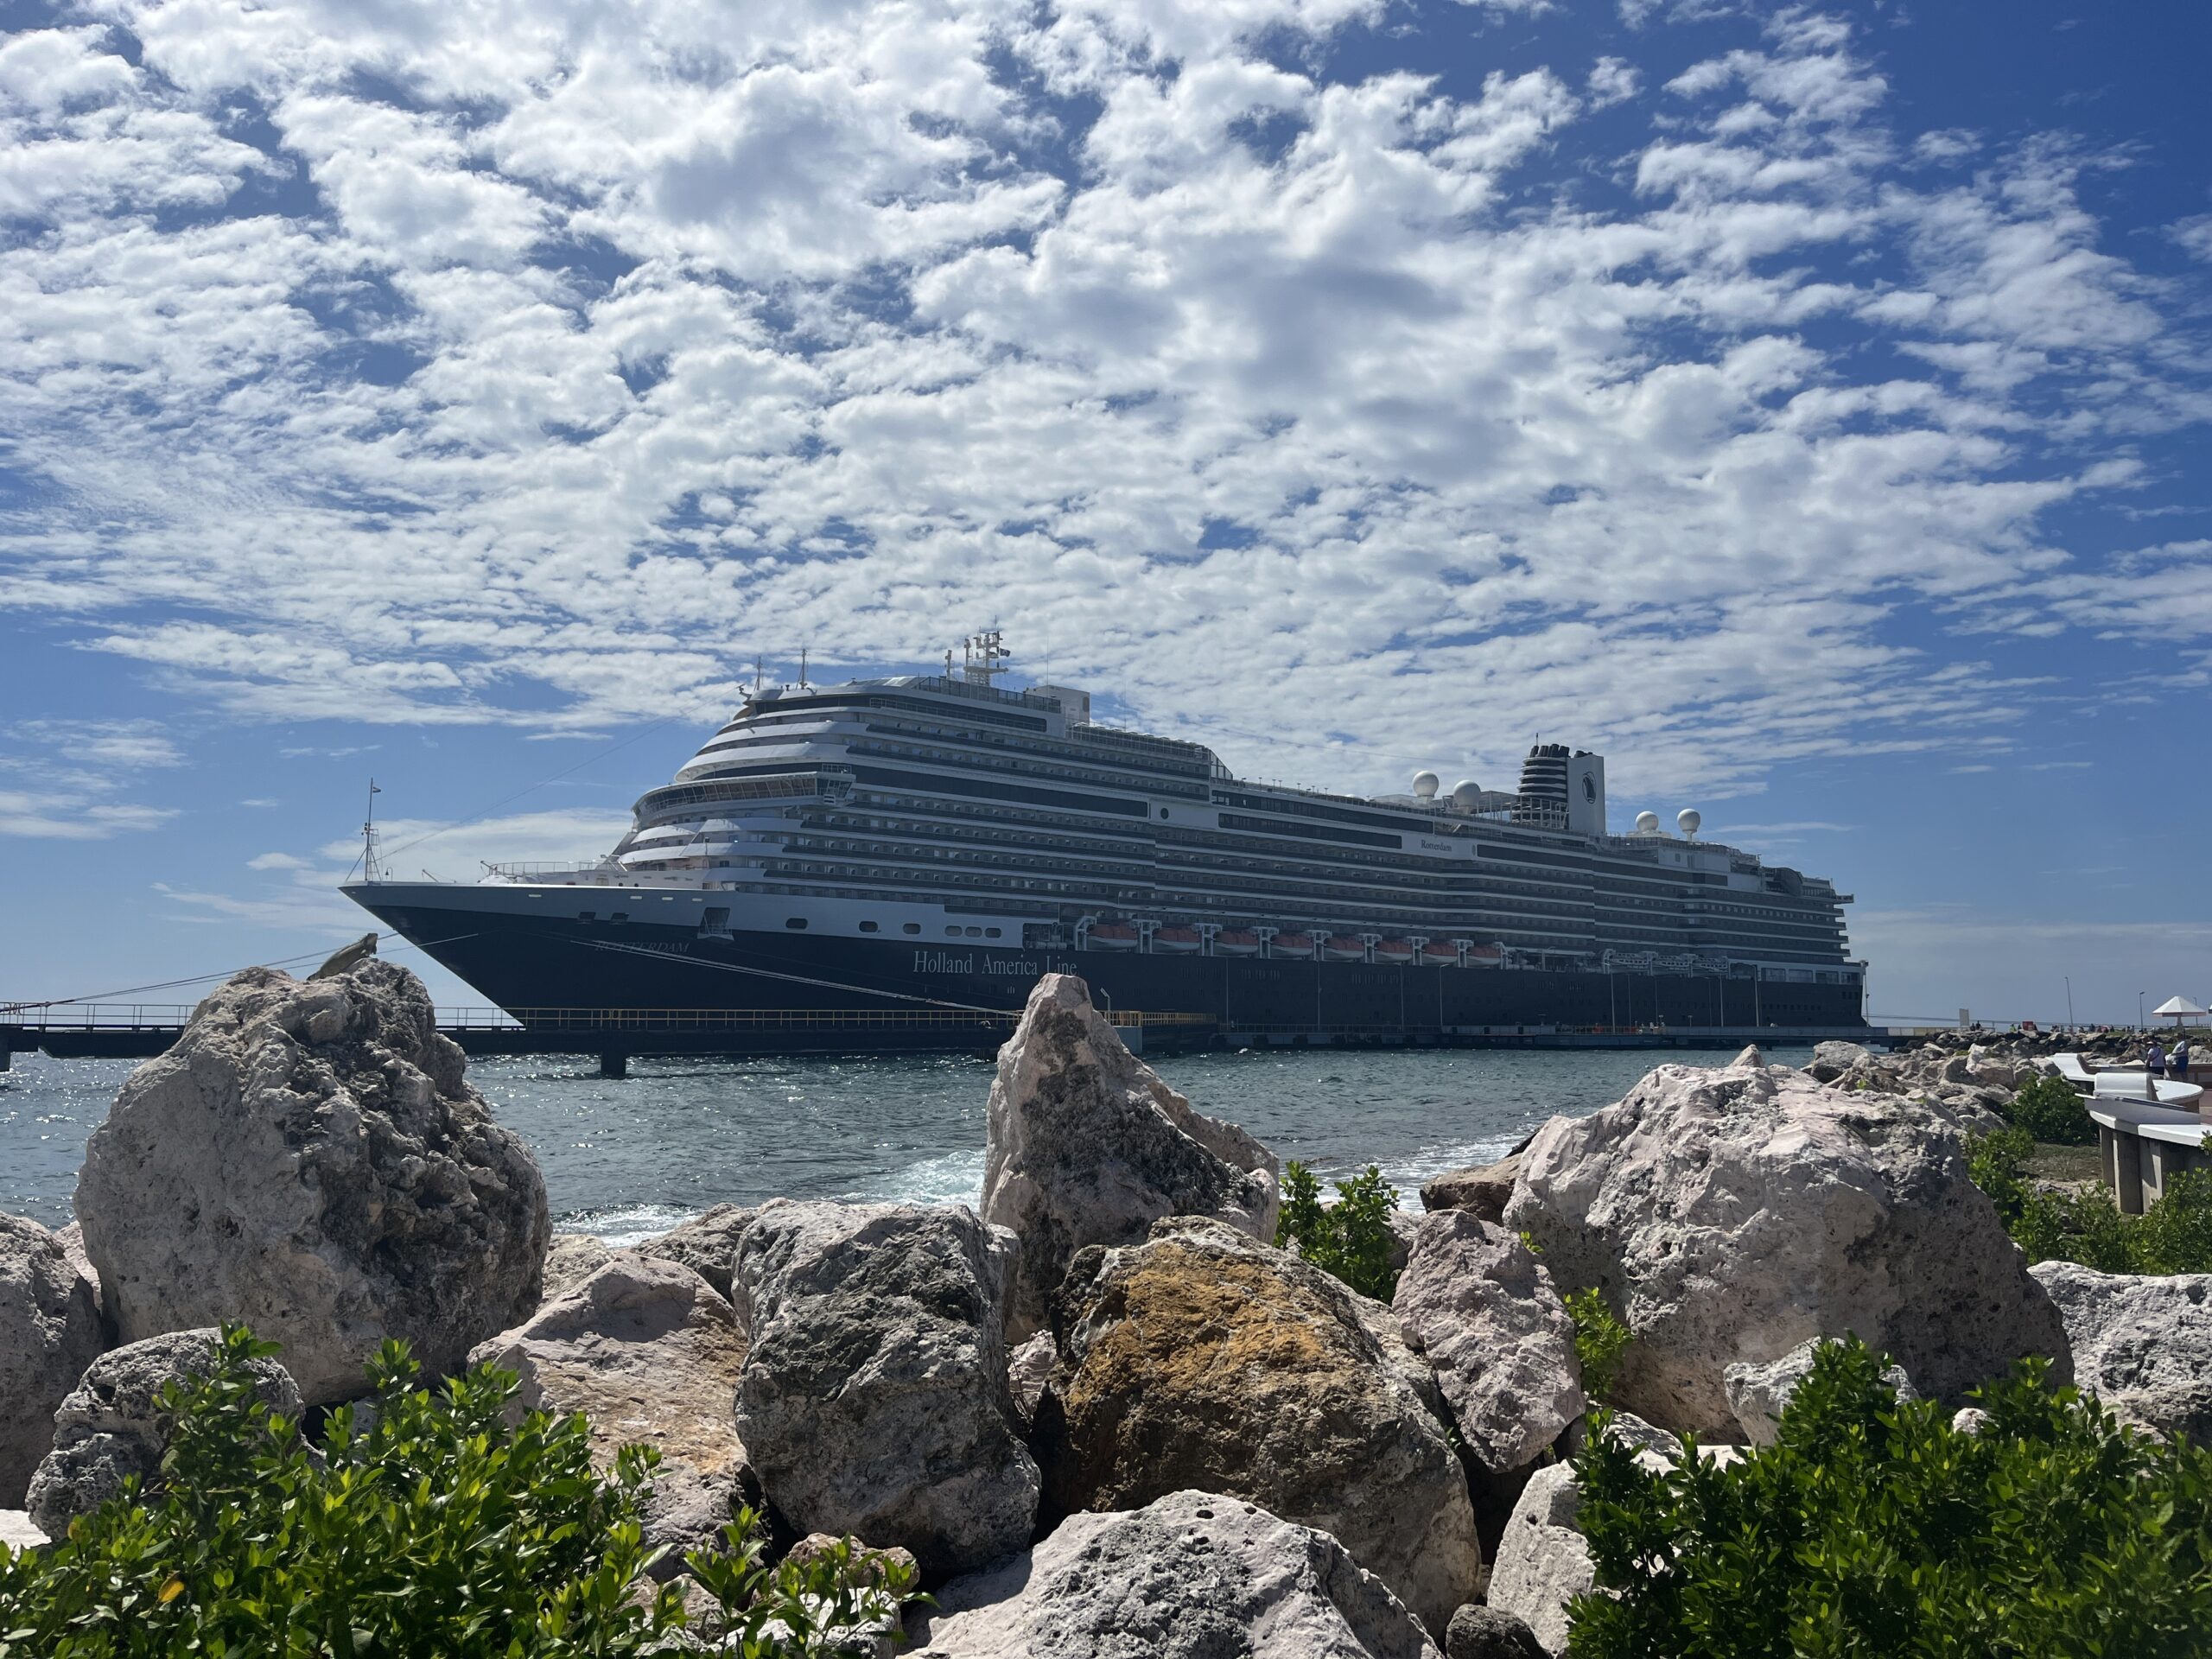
(2181, 1008)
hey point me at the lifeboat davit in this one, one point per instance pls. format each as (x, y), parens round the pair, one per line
(1177, 941)
(1236, 943)
(1340, 947)
(1397, 950)
(1439, 954)
(1112, 936)
(1291, 945)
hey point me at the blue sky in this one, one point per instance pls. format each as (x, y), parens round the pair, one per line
(1807, 407)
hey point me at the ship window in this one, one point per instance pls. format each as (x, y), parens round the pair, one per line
(620, 916)
(911, 927)
(794, 921)
(989, 932)
(1163, 811)
(951, 932)
(975, 932)
(587, 915)
(868, 927)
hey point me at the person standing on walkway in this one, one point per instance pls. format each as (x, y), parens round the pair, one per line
(2155, 1061)
(2178, 1064)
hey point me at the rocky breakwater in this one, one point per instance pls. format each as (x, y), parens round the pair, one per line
(1729, 1215)
(1202, 1359)
(1087, 1145)
(310, 1159)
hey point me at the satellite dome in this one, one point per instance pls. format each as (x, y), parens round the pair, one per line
(1647, 823)
(1466, 794)
(1689, 817)
(1425, 785)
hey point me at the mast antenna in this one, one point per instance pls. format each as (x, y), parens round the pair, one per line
(369, 835)
(802, 667)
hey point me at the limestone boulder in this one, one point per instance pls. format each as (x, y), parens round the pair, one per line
(1834, 1059)
(1543, 1561)
(650, 1354)
(570, 1259)
(1480, 1189)
(309, 1158)
(1729, 1215)
(49, 1332)
(1475, 1300)
(1087, 1145)
(1027, 1369)
(1189, 1576)
(1758, 1395)
(874, 1399)
(1480, 1632)
(1203, 1358)
(110, 1428)
(707, 1244)
(2142, 1343)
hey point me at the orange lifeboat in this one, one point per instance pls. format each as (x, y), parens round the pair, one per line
(1112, 936)
(1236, 943)
(1485, 955)
(1291, 945)
(1177, 941)
(1342, 947)
(1438, 953)
(1394, 951)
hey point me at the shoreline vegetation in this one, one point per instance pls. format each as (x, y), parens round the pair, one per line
(1757, 1361)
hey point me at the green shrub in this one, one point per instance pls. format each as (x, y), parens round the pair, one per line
(2175, 1236)
(436, 1528)
(2050, 1109)
(1875, 1528)
(1600, 1340)
(1351, 1238)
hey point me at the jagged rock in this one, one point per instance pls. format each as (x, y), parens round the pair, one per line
(1087, 1145)
(1476, 1301)
(1625, 1426)
(1188, 1576)
(50, 1330)
(649, 1353)
(1027, 1370)
(309, 1159)
(707, 1244)
(1480, 1189)
(1758, 1394)
(2141, 1343)
(1833, 1059)
(1956, 1069)
(1748, 1055)
(110, 1428)
(874, 1401)
(1730, 1215)
(71, 1241)
(1480, 1632)
(1202, 1357)
(570, 1259)
(1543, 1561)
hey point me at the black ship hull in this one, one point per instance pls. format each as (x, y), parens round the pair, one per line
(556, 972)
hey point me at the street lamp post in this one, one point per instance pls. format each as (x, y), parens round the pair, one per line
(2139, 995)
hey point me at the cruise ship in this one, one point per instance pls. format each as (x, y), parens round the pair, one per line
(919, 849)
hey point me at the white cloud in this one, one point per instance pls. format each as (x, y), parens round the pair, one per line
(277, 862)
(600, 349)
(1612, 81)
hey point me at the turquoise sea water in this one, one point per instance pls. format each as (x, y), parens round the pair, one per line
(629, 1158)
